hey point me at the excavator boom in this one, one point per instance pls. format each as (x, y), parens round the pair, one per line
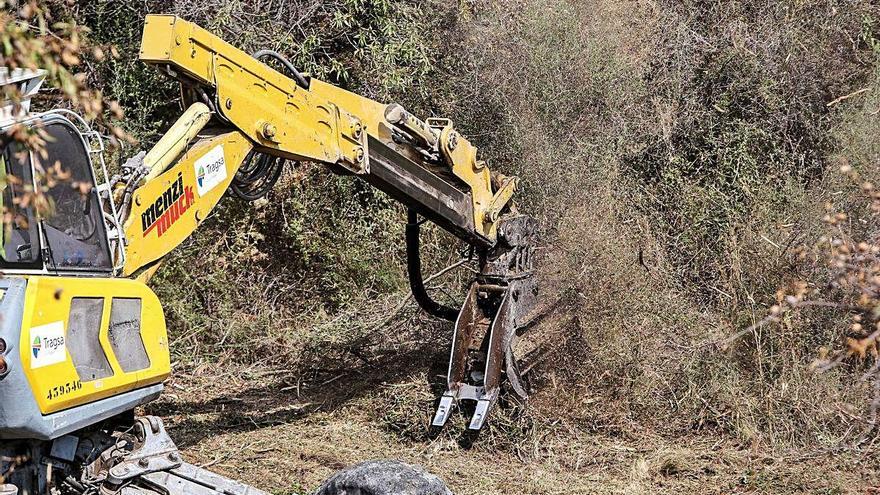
(319, 122)
(426, 165)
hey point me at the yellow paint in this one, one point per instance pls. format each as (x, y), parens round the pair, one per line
(501, 198)
(370, 112)
(316, 124)
(145, 247)
(253, 96)
(48, 299)
(463, 159)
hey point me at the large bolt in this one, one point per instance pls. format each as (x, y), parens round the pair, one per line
(357, 130)
(359, 155)
(269, 130)
(155, 423)
(229, 103)
(144, 462)
(492, 216)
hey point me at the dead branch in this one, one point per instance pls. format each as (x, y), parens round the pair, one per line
(846, 97)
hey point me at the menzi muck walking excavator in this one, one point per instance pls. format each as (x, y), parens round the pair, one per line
(83, 338)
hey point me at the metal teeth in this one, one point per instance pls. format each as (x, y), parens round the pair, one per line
(447, 402)
(480, 415)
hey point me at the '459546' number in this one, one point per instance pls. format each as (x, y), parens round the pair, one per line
(64, 389)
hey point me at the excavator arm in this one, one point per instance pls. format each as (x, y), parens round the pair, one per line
(243, 113)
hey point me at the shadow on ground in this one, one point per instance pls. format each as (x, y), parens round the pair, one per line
(288, 396)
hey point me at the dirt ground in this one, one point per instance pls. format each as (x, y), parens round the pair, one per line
(259, 426)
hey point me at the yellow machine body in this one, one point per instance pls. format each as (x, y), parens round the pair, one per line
(49, 321)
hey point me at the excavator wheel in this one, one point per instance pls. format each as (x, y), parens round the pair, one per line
(383, 478)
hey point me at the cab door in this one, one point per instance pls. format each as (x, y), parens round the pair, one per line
(73, 226)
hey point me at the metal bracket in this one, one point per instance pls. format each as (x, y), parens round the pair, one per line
(157, 453)
(500, 200)
(156, 462)
(353, 143)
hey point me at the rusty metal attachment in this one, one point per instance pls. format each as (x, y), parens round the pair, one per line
(498, 303)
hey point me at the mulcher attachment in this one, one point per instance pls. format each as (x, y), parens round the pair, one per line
(499, 302)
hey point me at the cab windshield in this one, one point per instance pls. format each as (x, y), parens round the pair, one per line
(74, 236)
(74, 225)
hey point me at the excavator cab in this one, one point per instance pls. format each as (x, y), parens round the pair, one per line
(69, 234)
(77, 344)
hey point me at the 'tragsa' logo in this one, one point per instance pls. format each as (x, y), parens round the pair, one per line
(48, 344)
(168, 207)
(210, 170)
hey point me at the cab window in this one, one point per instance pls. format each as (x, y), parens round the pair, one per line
(74, 226)
(19, 234)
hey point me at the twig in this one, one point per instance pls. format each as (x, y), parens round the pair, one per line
(777, 246)
(846, 97)
(832, 363)
(446, 270)
(402, 304)
(337, 377)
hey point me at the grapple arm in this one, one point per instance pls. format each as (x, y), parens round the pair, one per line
(424, 164)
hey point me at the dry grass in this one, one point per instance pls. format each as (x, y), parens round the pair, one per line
(255, 428)
(676, 154)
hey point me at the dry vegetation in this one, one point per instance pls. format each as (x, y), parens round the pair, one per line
(681, 157)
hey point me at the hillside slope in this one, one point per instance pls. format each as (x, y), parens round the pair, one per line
(676, 153)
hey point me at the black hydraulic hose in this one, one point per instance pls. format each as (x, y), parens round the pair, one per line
(414, 270)
(256, 176)
(259, 172)
(297, 75)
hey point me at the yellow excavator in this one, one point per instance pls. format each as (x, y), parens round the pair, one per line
(83, 338)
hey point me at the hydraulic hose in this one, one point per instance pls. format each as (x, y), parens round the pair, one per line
(260, 171)
(257, 176)
(414, 271)
(297, 75)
